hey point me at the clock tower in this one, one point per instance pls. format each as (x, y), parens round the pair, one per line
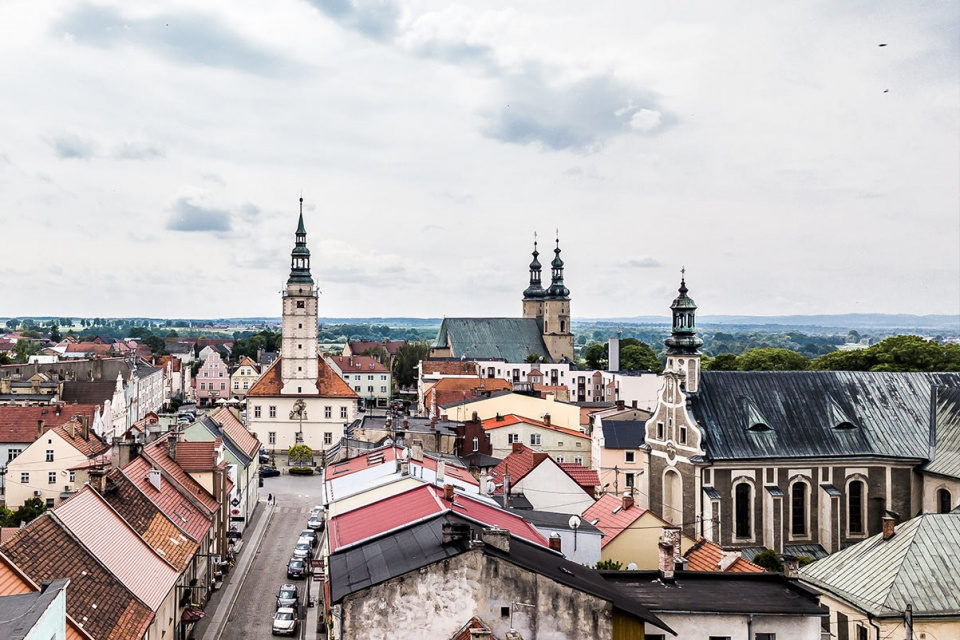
(298, 350)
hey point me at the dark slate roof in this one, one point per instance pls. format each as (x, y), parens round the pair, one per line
(623, 434)
(812, 551)
(211, 426)
(518, 503)
(477, 459)
(512, 339)
(421, 545)
(714, 592)
(21, 612)
(917, 566)
(886, 414)
(551, 520)
(87, 392)
(945, 451)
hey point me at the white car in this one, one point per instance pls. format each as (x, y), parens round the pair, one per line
(303, 550)
(285, 622)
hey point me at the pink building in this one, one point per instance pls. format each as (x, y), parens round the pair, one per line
(213, 380)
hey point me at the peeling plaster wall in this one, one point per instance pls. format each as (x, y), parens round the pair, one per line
(436, 601)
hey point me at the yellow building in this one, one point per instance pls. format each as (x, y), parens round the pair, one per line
(242, 379)
(560, 414)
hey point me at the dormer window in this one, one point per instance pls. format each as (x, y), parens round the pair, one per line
(760, 426)
(843, 426)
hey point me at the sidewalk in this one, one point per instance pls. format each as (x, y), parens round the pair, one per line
(221, 603)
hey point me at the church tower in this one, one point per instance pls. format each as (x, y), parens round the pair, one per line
(683, 345)
(534, 294)
(298, 349)
(556, 313)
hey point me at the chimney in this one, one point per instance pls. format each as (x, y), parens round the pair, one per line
(85, 421)
(728, 557)
(546, 419)
(499, 417)
(481, 634)
(448, 493)
(98, 480)
(39, 428)
(155, 478)
(416, 450)
(507, 498)
(791, 567)
(517, 447)
(73, 429)
(627, 501)
(671, 535)
(888, 527)
(666, 563)
(172, 446)
(404, 467)
(555, 542)
(476, 418)
(620, 405)
(613, 354)
(455, 531)
(484, 479)
(538, 457)
(497, 537)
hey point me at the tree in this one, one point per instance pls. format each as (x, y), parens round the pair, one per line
(379, 353)
(172, 334)
(596, 356)
(12, 324)
(24, 349)
(769, 560)
(639, 357)
(723, 362)
(770, 359)
(897, 353)
(533, 358)
(608, 565)
(140, 332)
(406, 360)
(5, 358)
(156, 344)
(55, 334)
(300, 455)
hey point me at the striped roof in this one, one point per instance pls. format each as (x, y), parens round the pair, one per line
(174, 504)
(917, 566)
(945, 449)
(796, 414)
(118, 546)
(706, 556)
(236, 432)
(509, 339)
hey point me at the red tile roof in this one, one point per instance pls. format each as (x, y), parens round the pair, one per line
(90, 446)
(235, 430)
(407, 507)
(391, 346)
(449, 367)
(19, 424)
(198, 456)
(521, 461)
(94, 348)
(512, 419)
(706, 556)
(329, 383)
(608, 515)
(156, 453)
(174, 504)
(586, 477)
(358, 364)
(175, 363)
(450, 390)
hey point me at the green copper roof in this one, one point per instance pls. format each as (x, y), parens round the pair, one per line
(535, 290)
(301, 231)
(512, 339)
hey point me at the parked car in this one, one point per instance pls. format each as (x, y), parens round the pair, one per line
(303, 550)
(288, 596)
(264, 458)
(311, 535)
(317, 511)
(285, 622)
(296, 568)
(315, 523)
(268, 472)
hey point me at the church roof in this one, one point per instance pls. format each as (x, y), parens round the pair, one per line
(817, 413)
(329, 383)
(510, 339)
(945, 452)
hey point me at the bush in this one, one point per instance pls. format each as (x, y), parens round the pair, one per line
(769, 560)
(608, 565)
(301, 471)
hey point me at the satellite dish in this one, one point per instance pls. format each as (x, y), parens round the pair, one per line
(404, 453)
(632, 566)
(574, 522)
(491, 487)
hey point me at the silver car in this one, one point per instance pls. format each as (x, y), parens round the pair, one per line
(303, 550)
(287, 596)
(285, 622)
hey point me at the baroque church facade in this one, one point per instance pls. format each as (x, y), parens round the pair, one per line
(543, 331)
(801, 462)
(299, 398)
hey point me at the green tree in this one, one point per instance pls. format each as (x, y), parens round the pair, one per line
(156, 344)
(300, 455)
(608, 565)
(596, 356)
(723, 362)
(55, 334)
(771, 359)
(24, 349)
(140, 332)
(405, 362)
(533, 358)
(5, 358)
(30, 510)
(639, 357)
(769, 560)
(12, 324)
(897, 353)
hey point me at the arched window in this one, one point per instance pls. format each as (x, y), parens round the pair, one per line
(742, 507)
(855, 504)
(944, 501)
(798, 508)
(672, 497)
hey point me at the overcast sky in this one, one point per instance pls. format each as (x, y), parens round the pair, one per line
(152, 155)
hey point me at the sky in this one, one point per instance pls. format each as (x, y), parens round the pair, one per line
(152, 156)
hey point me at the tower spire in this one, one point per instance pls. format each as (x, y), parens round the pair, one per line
(535, 290)
(683, 338)
(557, 289)
(300, 256)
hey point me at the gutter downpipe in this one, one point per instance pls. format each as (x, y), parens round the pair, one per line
(750, 627)
(873, 624)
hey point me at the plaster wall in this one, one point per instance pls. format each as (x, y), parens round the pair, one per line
(561, 414)
(52, 624)
(691, 626)
(640, 542)
(559, 445)
(314, 427)
(549, 488)
(932, 484)
(33, 461)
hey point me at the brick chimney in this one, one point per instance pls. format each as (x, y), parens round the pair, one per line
(517, 447)
(791, 567)
(39, 428)
(496, 537)
(555, 543)
(546, 419)
(627, 501)
(476, 417)
(448, 492)
(416, 450)
(671, 535)
(98, 480)
(538, 457)
(665, 561)
(172, 446)
(620, 405)
(889, 525)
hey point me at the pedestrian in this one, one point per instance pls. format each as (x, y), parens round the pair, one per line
(269, 498)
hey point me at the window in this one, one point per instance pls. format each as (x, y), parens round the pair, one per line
(743, 505)
(659, 431)
(299, 437)
(383, 389)
(327, 437)
(861, 632)
(299, 346)
(236, 384)
(628, 480)
(370, 388)
(245, 383)
(719, 637)
(655, 636)
(369, 377)
(629, 456)
(50, 503)
(476, 444)
(578, 459)
(272, 437)
(343, 412)
(256, 411)
(766, 636)
(223, 386)
(855, 504)
(300, 304)
(49, 455)
(356, 388)
(513, 437)
(13, 453)
(24, 477)
(535, 439)
(578, 442)
(560, 459)
(560, 443)
(798, 508)
(843, 627)
(383, 377)
(52, 477)
(944, 501)
(73, 476)
(273, 412)
(505, 613)
(328, 412)
(203, 386)
(683, 434)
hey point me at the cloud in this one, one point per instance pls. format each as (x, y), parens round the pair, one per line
(214, 178)
(643, 263)
(197, 217)
(138, 151)
(374, 19)
(578, 115)
(645, 120)
(72, 146)
(191, 38)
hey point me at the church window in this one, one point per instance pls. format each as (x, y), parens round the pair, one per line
(563, 326)
(798, 508)
(256, 411)
(683, 434)
(300, 304)
(299, 325)
(328, 412)
(546, 326)
(273, 412)
(343, 412)
(944, 501)
(855, 504)
(659, 431)
(672, 497)
(743, 508)
(299, 346)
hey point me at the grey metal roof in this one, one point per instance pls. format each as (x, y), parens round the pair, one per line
(813, 551)
(712, 592)
(21, 613)
(623, 434)
(211, 426)
(551, 520)
(917, 566)
(880, 414)
(512, 339)
(945, 450)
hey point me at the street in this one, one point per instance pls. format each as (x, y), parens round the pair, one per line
(252, 614)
